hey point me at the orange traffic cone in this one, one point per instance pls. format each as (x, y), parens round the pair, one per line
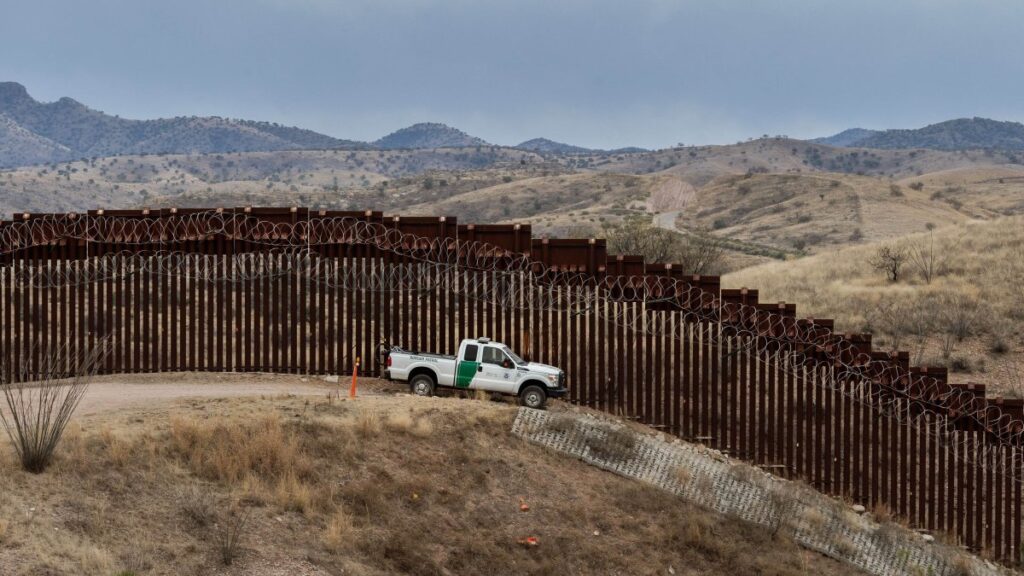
(355, 375)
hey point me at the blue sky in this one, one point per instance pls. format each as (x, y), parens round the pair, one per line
(602, 73)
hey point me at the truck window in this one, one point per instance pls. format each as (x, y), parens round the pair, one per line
(470, 354)
(494, 355)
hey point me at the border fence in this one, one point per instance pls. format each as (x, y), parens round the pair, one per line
(298, 291)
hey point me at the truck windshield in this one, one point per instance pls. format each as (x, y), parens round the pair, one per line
(513, 355)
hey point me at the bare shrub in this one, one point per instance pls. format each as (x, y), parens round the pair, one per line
(890, 260)
(38, 411)
(960, 315)
(683, 476)
(1012, 378)
(196, 503)
(813, 517)
(927, 258)
(742, 473)
(843, 545)
(560, 423)
(905, 321)
(960, 565)
(614, 444)
(228, 533)
(785, 507)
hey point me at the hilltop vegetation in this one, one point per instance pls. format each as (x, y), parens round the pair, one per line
(958, 301)
(428, 135)
(959, 134)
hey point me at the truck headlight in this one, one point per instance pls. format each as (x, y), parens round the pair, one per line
(553, 378)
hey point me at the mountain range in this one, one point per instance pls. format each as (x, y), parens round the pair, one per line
(33, 132)
(959, 134)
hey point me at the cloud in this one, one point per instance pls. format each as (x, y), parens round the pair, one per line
(597, 73)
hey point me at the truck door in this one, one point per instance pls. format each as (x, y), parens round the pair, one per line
(499, 372)
(468, 367)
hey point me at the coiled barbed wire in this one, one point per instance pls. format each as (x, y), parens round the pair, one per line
(256, 248)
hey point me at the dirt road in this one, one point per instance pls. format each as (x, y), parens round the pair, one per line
(108, 393)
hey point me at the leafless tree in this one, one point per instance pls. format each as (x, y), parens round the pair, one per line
(41, 398)
(889, 259)
(701, 252)
(637, 236)
(698, 252)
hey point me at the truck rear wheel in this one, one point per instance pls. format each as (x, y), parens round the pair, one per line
(422, 385)
(533, 396)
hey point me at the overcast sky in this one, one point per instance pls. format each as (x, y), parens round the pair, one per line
(604, 73)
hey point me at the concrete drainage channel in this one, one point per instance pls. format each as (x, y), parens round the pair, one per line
(708, 478)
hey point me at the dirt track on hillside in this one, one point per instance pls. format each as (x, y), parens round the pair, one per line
(108, 393)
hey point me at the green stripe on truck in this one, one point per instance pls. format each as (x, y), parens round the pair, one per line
(464, 373)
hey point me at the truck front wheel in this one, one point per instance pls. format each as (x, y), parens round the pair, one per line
(533, 396)
(422, 385)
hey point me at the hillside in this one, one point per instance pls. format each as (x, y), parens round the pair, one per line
(327, 178)
(545, 146)
(428, 135)
(20, 146)
(958, 134)
(88, 133)
(969, 317)
(699, 165)
(846, 138)
(811, 212)
(381, 485)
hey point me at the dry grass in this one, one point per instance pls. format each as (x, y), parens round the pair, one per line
(408, 423)
(813, 517)
(970, 317)
(196, 503)
(844, 546)
(368, 424)
(340, 533)
(320, 495)
(612, 443)
(683, 476)
(560, 423)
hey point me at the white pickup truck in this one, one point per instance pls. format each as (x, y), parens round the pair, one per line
(480, 365)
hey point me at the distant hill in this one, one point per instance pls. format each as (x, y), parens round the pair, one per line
(959, 134)
(35, 132)
(20, 146)
(846, 138)
(545, 146)
(428, 135)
